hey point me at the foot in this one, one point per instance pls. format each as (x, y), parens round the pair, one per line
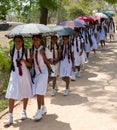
(23, 115)
(73, 78)
(66, 92)
(78, 74)
(38, 115)
(53, 93)
(9, 120)
(44, 110)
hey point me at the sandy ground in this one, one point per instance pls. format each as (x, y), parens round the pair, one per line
(91, 105)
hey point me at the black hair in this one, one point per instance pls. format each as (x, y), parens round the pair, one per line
(37, 36)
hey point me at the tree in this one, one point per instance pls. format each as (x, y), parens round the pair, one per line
(5, 6)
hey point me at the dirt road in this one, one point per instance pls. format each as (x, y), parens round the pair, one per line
(91, 105)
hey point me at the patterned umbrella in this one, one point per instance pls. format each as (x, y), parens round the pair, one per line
(27, 30)
(86, 18)
(71, 24)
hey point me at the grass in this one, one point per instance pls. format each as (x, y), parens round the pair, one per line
(3, 105)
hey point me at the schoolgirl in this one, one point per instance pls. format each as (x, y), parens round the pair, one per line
(19, 86)
(66, 62)
(87, 46)
(54, 49)
(102, 33)
(78, 48)
(92, 38)
(41, 75)
(111, 28)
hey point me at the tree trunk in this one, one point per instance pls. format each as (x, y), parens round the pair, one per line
(44, 15)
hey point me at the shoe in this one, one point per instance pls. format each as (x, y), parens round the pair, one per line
(23, 115)
(38, 115)
(8, 121)
(73, 78)
(78, 74)
(43, 110)
(66, 92)
(53, 93)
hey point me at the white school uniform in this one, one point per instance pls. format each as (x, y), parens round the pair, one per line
(78, 60)
(86, 41)
(101, 33)
(66, 64)
(91, 32)
(19, 87)
(41, 78)
(111, 28)
(55, 67)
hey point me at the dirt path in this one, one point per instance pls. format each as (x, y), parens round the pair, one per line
(91, 105)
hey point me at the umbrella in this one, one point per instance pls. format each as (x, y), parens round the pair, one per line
(108, 13)
(80, 21)
(27, 30)
(86, 18)
(71, 24)
(100, 15)
(62, 30)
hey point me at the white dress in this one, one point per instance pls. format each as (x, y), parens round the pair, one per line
(78, 60)
(101, 33)
(55, 67)
(86, 40)
(95, 45)
(41, 78)
(111, 28)
(19, 87)
(66, 65)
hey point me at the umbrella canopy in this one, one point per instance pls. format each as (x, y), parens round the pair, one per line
(62, 30)
(71, 24)
(100, 15)
(80, 21)
(27, 30)
(86, 18)
(109, 14)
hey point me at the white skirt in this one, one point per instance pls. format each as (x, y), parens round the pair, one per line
(65, 68)
(55, 69)
(40, 84)
(95, 45)
(19, 87)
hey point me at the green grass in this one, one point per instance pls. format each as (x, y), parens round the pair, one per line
(3, 104)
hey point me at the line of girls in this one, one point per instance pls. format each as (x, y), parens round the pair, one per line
(63, 60)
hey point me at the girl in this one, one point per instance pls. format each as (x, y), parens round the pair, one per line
(66, 63)
(111, 28)
(102, 33)
(41, 75)
(78, 52)
(19, 87)
(54, 49)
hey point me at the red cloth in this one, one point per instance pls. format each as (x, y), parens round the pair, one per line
(19, 66)
(77, 44)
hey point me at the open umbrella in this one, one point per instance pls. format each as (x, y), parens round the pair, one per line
(62, 30)
(108, 13)
(27, 30)
(71, 24)
(86, 18)
(100, 15)
(80, 21)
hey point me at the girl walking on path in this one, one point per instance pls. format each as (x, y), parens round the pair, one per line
(41, 75)
(54, 49)
(111, 29)
(19, 87)
(66, 63)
